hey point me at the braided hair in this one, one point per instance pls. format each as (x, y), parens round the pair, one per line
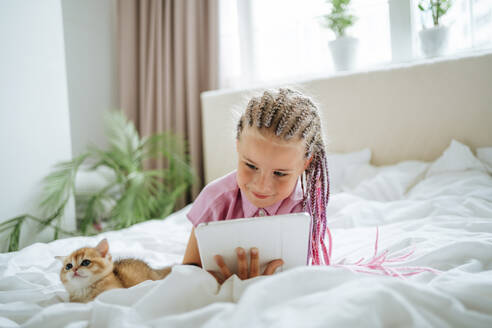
(289, 114)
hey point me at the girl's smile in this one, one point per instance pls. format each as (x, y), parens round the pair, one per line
(260, 196)
(268, 167)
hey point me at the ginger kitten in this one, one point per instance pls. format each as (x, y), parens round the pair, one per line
(89, 271)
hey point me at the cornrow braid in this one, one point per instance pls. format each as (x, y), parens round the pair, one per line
(301, 120)
(294, 128)
(249, 111)
(307, 128)
(266, 103)
(279, 104)
(288, 114)
(239, 128)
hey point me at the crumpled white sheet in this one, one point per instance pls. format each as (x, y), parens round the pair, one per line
(304, 297)
(446, 217)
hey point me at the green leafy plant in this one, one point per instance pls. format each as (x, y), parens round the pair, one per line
(438, 8)
(339, 19)
(130, 195)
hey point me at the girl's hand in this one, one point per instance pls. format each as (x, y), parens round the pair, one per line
(242, 264)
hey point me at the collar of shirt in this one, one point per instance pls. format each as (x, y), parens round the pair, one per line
(250, 210)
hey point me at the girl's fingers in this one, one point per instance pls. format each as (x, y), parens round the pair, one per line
(217, 276)
(254, 266)
(222, 266)
(272, 266)
(242, 263)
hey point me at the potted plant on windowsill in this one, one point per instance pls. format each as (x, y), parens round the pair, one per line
(434, 40)
(343, 48)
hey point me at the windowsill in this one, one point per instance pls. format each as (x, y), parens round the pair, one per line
(383, 67)
(420, 61)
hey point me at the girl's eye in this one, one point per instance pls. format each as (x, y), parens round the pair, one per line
(85, 263)
(68, 266)
(279, 174)
(251, 166)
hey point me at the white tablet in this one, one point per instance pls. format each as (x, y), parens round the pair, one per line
(283, 237)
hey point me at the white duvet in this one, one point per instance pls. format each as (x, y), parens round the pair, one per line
(442, 210)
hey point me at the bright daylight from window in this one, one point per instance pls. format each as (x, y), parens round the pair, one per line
(267, 41)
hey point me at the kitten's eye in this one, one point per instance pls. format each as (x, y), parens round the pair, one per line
(279, 174)
(68, 266)
(251, 166)
(85, 263)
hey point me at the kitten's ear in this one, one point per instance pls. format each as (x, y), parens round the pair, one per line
(103, 247)
(60, 258)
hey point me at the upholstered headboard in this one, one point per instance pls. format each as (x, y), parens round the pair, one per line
(403, 113)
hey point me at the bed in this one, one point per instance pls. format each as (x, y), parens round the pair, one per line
(423, 202)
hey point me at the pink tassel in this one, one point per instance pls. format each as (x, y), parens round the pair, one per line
(376, 264)
(376, 243)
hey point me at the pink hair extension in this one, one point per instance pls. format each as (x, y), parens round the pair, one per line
(318, 194)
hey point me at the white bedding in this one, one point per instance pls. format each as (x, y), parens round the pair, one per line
(442, 211)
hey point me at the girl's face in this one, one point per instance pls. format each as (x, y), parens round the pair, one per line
(268, 167)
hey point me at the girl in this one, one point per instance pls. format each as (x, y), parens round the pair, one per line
(282, 168)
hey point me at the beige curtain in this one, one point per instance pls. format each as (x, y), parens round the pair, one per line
(168, 53)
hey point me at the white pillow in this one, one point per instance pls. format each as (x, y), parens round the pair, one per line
(357, 173)
(392, 182)
(485, 155)
(457, 157)
(339, 163)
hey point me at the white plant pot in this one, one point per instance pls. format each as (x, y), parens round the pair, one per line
(434, 40)
(344, 52)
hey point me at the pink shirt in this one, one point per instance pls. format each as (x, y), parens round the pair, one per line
(223, 200)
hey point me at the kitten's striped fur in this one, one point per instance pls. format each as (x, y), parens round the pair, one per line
(89, 271)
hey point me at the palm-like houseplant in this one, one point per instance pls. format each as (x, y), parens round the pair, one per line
(130, 195)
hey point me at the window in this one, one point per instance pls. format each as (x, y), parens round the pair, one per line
(469, 21)
(372, 28)
(268, 41)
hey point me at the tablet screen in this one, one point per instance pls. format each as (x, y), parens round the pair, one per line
(283, 237)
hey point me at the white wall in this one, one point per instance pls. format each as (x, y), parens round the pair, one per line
(34, 116)
(90, 52)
